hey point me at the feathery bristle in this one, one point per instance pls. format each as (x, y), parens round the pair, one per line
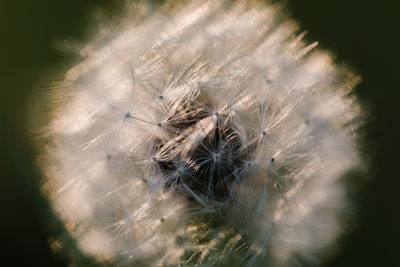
(202, 134)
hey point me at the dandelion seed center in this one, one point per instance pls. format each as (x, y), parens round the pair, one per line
(210, 150)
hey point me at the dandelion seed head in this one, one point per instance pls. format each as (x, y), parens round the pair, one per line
(204, 133)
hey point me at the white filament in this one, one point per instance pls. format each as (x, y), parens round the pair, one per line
(242, 64)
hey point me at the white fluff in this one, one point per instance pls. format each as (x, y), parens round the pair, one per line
(123, 160)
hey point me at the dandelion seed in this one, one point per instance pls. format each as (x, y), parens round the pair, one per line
(202, 134)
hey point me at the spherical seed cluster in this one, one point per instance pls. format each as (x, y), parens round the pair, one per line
(202, 134)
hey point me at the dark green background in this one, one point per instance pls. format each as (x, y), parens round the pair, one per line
(362, 33)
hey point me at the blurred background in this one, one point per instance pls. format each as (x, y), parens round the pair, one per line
(362, 33)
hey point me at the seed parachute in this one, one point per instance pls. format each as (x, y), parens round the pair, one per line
(201, 133)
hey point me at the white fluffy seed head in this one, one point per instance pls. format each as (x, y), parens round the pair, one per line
(205, 134)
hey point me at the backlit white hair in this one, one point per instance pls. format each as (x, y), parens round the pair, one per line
(205, 133)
